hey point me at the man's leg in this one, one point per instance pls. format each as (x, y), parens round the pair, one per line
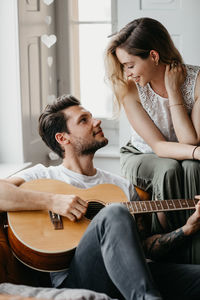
(177, 281)
(109, 258)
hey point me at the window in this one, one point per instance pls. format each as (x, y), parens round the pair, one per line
(91, 22)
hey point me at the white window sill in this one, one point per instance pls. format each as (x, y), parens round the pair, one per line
(108, 151)
(7, 170)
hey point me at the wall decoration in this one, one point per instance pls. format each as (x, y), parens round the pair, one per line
(48, 40)
(50, 61)
(48, 20)
(32, 5)
(48, 2)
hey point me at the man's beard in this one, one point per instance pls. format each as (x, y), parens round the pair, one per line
(83, 148)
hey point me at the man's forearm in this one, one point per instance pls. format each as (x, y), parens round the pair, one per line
(158, 246)
(13, 198)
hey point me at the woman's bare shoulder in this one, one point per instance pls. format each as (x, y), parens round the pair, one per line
(132, 92)
(197, 88)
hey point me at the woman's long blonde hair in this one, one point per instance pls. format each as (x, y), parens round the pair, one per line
(138, 38)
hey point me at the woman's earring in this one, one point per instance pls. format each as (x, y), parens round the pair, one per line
(156, 63)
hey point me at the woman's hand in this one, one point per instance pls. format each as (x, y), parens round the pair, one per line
(174, 77)
(182, 122)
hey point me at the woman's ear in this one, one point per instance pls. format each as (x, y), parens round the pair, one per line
(62, 138)
(155, 56)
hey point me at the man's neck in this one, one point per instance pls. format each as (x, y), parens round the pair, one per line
(82, 164)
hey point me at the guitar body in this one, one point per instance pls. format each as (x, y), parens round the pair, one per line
(32, 236)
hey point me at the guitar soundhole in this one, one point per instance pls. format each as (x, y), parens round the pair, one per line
(93, 209)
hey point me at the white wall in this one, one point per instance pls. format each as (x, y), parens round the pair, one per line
(11, 150)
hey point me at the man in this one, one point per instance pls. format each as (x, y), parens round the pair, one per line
(109, 257)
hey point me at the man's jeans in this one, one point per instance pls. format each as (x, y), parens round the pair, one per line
(109, 259)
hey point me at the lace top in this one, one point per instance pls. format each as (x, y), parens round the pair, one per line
(157, 108)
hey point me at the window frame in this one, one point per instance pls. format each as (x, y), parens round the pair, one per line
(74, 40)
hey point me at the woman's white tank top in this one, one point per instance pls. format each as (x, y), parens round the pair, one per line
(158, 110)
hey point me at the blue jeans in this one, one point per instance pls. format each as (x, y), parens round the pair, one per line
(109, 259)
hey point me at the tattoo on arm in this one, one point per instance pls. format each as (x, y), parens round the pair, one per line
(142, 226)
(159, 245)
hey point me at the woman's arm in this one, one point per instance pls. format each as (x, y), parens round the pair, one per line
(187, 128)
(145, 127)
(195, 115)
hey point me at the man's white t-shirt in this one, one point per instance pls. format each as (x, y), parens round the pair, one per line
(39, 171)
(78, 180)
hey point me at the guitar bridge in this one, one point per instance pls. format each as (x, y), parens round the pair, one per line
(56, 220)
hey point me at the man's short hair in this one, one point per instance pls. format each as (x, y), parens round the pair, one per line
(53, 120)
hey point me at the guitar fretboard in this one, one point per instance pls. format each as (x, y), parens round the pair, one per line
(138, 207)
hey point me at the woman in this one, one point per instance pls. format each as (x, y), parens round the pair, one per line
(161, 98)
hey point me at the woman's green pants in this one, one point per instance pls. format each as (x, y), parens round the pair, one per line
(166, 178)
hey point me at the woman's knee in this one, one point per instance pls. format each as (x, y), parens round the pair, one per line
(126, 164)
(149, 166)
(169, 168)
(191, 168)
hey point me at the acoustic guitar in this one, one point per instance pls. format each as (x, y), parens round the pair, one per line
(46, 241)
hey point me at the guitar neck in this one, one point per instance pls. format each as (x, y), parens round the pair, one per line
(139, 207)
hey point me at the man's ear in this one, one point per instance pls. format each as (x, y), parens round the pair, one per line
(155, 56)
(62, 138)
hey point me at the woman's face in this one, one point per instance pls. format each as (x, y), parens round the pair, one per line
(140, 70)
